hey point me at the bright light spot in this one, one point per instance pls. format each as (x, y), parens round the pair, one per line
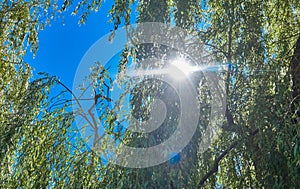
(182, 65)
(180, 69)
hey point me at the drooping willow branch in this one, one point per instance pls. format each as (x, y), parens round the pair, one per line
(216, 164)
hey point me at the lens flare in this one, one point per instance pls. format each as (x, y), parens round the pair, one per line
(180, 69)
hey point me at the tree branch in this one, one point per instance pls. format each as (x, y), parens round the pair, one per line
(295, 74)
(214, 169)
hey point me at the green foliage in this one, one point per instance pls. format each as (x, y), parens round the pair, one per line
(259, 143)
(37, 139)
(259, 140)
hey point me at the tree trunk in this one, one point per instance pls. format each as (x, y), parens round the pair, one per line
(295, 75)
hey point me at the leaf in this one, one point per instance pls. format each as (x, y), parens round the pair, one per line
(295, 149)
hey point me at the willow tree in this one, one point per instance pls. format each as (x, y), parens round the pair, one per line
(259, 144)
(259, 141)
(35, 131)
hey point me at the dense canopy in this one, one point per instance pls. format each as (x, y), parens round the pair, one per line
(258, 145)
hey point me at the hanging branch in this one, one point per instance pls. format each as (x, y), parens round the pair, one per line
(216, 164)
(230, 121)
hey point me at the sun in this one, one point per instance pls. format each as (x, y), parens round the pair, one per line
(179, 68)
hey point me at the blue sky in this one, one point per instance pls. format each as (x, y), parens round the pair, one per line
(63, 43)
